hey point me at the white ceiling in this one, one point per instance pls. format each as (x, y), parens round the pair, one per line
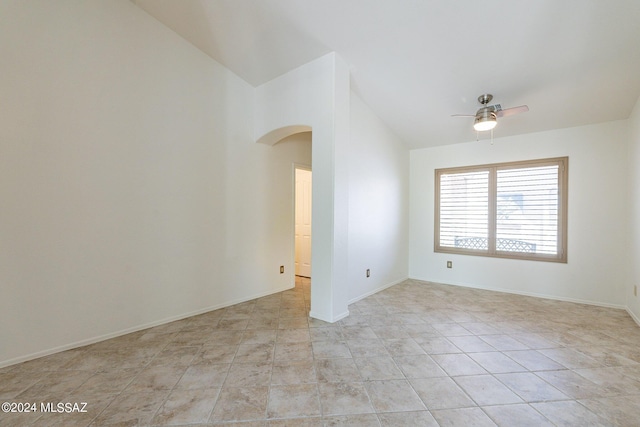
(416, 62)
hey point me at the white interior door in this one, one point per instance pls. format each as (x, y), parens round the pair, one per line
(303, 223)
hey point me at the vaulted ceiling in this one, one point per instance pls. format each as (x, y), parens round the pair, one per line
(417, 62)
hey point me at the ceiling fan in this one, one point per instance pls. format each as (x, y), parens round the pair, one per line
(486, 117)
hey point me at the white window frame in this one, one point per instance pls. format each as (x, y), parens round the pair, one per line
(492, 169)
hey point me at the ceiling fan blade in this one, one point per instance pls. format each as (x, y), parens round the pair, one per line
(463, 115)
(511, 111)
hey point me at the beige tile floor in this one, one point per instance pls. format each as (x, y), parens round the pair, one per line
(416, 354)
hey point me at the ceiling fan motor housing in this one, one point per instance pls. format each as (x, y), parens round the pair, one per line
(486, 113)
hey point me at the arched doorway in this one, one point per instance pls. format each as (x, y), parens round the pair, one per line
(298, 142)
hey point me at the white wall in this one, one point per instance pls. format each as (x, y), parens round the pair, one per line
(132, 189)
(633, 301)
(597, 270)
(378, 204)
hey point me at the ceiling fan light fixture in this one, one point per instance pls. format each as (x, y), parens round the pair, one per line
(485, 121)
(486, 118)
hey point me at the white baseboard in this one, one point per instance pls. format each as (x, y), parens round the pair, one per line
(346, 313)
(633, 316)
(314, 315)
(341, 316)
(529, 294)
(375, 291)
(116, 334)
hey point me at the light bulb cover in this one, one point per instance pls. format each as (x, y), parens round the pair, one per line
(485, 121)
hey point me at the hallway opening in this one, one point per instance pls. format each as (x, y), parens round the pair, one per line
(302, 215)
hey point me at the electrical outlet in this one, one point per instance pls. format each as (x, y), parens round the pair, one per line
(368, 272)
(449, 264)
(282, 269)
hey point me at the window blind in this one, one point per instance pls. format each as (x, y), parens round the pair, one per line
(464, 204)
(527, 209)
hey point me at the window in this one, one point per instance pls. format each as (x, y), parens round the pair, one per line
(508, 210)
